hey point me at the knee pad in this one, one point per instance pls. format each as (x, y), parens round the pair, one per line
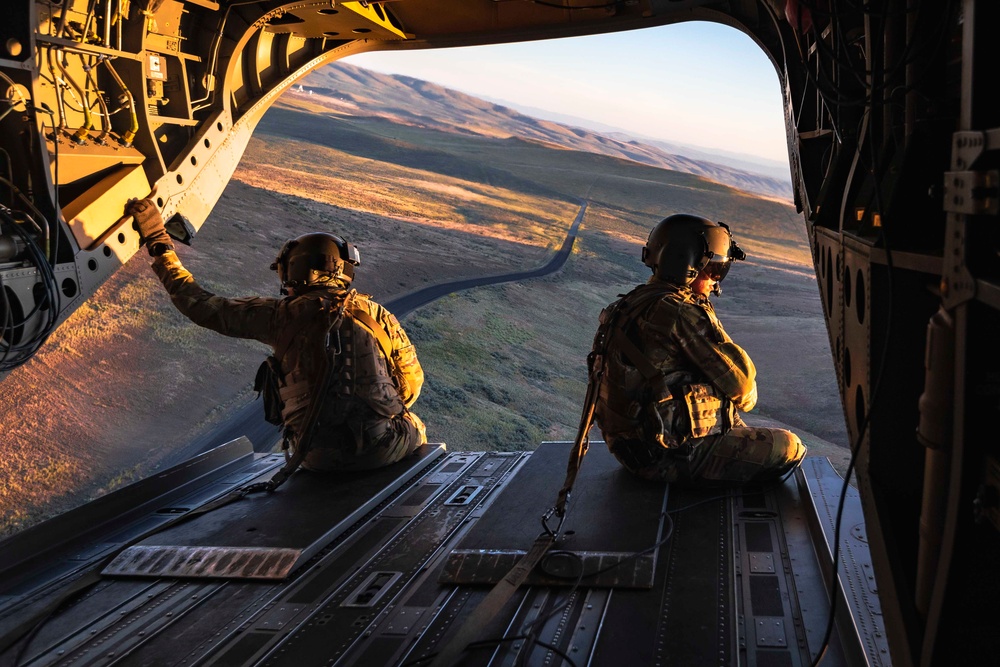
(790, 444)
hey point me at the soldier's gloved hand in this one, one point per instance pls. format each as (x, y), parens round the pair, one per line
(150, 225)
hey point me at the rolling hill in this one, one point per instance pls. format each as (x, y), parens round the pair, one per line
(352, 90)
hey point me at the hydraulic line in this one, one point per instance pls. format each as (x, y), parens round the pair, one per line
(105, 116)
(120, 19)
(62, 19)
(83, 132)
(129, 135)
(107, 23)
(60, 108)
(209, 79)
(91, 6)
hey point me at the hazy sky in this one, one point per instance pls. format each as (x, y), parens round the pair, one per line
(697, 83)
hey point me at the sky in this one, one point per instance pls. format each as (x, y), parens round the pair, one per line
(696, 83)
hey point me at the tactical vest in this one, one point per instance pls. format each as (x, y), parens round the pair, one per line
(635, 399)
(357, 349)
(362, 369)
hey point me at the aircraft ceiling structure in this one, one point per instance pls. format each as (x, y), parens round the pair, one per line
(892, 129)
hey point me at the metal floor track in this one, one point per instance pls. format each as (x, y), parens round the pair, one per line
(383, 568)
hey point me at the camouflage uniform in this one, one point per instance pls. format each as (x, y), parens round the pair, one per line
(364, 422)
(678, 420)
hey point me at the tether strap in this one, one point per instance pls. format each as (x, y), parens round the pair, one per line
(505, 588)
(493, 602)
(582, 443)
(580, 447)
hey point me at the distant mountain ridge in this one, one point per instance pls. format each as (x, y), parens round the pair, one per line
(355, 90)
(737, 160)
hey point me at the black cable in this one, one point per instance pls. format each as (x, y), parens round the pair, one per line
(562, 654)
(54, 227)
(532, 627)
(486, 643)
(22, 351)
(10, 174)
(875, 171)
(529, 630)
(14, 354)
(20, 195)
(829, 90)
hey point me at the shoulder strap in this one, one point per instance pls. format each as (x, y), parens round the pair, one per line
(285, 339)
(625, 344)
(369, 322)
(638, 359)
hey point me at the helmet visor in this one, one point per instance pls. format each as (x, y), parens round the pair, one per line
(719, 252)
(718, 241)
(717, 267)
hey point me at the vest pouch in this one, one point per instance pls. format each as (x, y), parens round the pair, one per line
(705, 411)
(662, 419)
(266, 385)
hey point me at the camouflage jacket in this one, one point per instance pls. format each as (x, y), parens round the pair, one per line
(266, 319)
(679, 334)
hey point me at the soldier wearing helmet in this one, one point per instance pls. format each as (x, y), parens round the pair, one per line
(670, 382)
(343, 373)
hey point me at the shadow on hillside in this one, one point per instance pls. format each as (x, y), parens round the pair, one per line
(397, 257)
(369, 138)
(345, 136)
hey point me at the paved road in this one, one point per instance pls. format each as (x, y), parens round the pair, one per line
(249, 420)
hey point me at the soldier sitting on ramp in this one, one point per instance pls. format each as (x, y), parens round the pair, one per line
(669, 380)
(343, 373)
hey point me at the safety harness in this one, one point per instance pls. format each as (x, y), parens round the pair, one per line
(268, 377)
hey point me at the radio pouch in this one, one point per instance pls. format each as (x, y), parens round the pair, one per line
(705, 410)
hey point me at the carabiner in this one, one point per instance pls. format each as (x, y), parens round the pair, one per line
(545, 523)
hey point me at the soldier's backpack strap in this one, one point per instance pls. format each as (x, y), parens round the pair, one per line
(376, 329)
(625, 344)
(638, 359)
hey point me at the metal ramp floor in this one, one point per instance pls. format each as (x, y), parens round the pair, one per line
(383, 568)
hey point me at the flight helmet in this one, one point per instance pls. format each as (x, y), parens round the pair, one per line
(315, 260)
(682, 245)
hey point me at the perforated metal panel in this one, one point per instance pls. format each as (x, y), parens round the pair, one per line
(203, 562)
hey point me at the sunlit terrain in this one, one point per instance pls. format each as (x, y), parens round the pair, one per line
(127, 382)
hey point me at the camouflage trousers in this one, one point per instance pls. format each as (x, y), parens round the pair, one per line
(744, 454)
(364, 444)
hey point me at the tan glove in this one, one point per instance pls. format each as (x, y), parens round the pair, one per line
(149, 222)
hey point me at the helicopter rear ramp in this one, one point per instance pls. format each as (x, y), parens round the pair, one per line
(385, 567)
